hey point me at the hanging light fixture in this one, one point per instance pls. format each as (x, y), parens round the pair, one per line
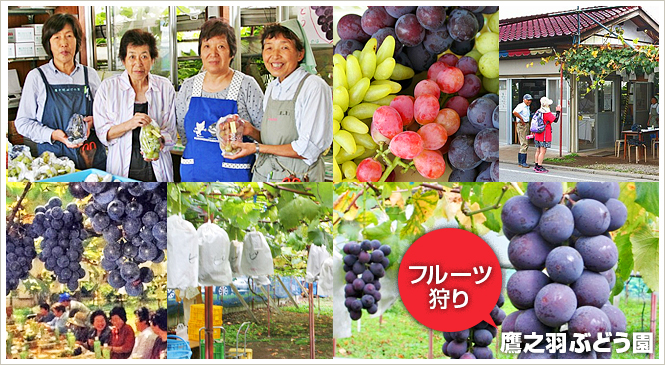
(633, 77)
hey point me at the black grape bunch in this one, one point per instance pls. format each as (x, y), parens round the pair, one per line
(62, 244)
(19, 253)
(364, 264)
(132, 219)
(474, 343)
(568, 236)
(324, 19)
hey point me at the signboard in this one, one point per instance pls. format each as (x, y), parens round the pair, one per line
(310, 22)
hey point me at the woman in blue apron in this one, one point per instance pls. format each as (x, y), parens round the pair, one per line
(208, 96)
(55, 91)
(297, 117)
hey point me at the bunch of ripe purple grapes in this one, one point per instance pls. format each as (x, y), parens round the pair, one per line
(567, 235)
(364, 263)
(473, 343)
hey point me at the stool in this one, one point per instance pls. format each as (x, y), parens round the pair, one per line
(637, 151)
(654, 146)
(617, 146)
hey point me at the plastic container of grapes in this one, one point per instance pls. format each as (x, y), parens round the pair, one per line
(81, 175)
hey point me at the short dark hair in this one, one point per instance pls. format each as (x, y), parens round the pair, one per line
(159, 319)
(120, 312)
(97, 313)
(143, 314)
(59, 307)
(217, 27)
(56, 23)
(45, 306)
(273, 30)
(138, 37)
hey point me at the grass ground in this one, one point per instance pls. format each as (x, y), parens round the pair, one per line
(287, 336)
(399, 336)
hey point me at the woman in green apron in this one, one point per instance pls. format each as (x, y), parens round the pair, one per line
(55, 91)
(297, 111)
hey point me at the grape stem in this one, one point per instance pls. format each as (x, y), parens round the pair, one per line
(389, 168)
(10, 220)
(391, 165)
(567, 197)
(467, 212)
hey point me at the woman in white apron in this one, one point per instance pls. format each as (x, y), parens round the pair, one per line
(297, 115)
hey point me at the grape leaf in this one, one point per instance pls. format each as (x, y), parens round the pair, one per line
(645, 252)
(300, 208)
(378, 232)
(625, 264)
(349, 229)
(647, 196)
(424, 204)
(323, 194)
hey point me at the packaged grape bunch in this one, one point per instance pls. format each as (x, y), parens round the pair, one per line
(150, 140)
(229, 130)
(77, 129)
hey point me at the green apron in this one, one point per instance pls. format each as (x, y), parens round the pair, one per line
(278, 128)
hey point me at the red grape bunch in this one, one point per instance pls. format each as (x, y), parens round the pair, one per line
(568, 236)
(364, 263)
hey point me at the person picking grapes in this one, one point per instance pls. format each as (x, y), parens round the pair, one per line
(543, 140)
(522, 112)
(297, 110)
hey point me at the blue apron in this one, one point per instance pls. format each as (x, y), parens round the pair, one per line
(202, 159)
(61, 102)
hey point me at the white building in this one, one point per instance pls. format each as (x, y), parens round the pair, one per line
(590, 120)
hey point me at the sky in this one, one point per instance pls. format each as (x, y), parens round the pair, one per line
(513, 9)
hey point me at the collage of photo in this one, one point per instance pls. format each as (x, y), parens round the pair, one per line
(236, 182)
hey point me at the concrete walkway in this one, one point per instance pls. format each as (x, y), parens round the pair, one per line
(508, 159)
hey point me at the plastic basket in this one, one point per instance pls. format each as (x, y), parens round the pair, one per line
(81, 175)
(178, 354)
(197, 313)
(176, 343)
(217, 342)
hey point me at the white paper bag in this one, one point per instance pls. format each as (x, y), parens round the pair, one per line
(235, 257)
(214, 247)
(325, 286)
(317, 255)
(183, 249)
(256, 256)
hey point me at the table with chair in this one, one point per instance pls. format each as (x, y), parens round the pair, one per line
(637, 143)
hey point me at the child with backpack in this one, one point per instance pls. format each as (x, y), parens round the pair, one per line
(541, 127)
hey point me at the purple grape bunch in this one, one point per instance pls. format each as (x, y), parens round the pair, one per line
(364, 263)
(324, 19)
(474, 343)
(568, 235)
(62, 244)
(132, 219)
(19, 253)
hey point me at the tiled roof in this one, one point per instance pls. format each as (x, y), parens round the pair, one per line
(558, 24)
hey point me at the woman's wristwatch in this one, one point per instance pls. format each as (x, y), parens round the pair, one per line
(257, 146)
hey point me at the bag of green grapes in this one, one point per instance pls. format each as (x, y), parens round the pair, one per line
(150, 141)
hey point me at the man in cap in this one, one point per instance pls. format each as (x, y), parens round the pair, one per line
(523, 113)
(71, 304)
